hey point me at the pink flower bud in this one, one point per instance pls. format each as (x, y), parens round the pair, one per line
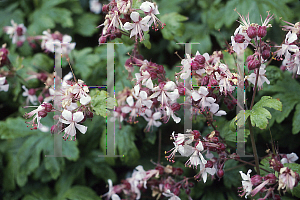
(42, 77)
(19, 31)
(253, 64)
(3, 56)
(252, 32)
(262, 31)
(200, 59)
(102, 40)
(19, 43)
(196, 134)
(105, 8)
(53, 129)
(256, 180)
(40, 98)
(47, 106)
(270, 177)
(175, 106)
(220, 173)
(205, 80)
(239, 38)
(265, 54)
(250, 58)
(209, 164)
(42, 113)
(31, 91)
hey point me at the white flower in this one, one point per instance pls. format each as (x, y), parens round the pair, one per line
(95, 6)
(246, 182)
(66, 46)
(141, 97)
(151, 119)
(16, 32)
(145, 78)
(138, 26)
(111, 191)
(287, 178)
(151, 10)
(290, 158)
(196, 158)
(30, 97)
(171, 113)
(3, 87)
(72, 119)
(37, 118)
(204, 171)
(164, 94)
(261, 77)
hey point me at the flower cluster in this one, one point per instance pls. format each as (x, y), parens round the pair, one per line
(16, 32)
(122, 16)
(266, 185)
(193, 145)
(289, 49)
(163, 181)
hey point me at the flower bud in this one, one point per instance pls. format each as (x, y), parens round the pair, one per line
(19, 43)
(3, 56)
(31, 91)
(102, 40)
(42, 113)
(53, 129)
(209, 164)
(220, 173)
(40, 98)
(105, 8)
(196, 134)
(222, 146)
(19, 31)
(200, 59)
(176, 191)
(42, 77)
(32, 45)
(256, 180)
(252, 32)
(250, 58)
(265, 54)
(188, 191)
(195, 65)
(160, 169)
(191, 184)
(177, 171)
(205, 80)
(270, 177)
(253, 64)
(47, 106)
(175, 106)
(261, 31)
(239, 38)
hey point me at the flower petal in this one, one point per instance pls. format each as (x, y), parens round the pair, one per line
(135, 16)
(67, 115)
(81, 128)
(78, 116)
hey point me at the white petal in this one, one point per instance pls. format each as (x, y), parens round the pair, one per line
(85, 99)
(128, 26)
(149, 84)
(78, 116)
(146, 6)
(67, 115)
(70, 130)
(135, 16)
(130, 101)
(81, 128)
(2, 80)
(66, 39)
(4, 88)
(170, 85)
(156, 115)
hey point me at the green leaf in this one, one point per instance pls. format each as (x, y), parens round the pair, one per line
(230, 179)
(264, 164)
(86, 24)
(101, 102)
(146, 41)
(259, 115)
(85, 60)
(81, 193)
(173, 27)
(13, 128)
(61, 16)
(296, 120)
(43, 62)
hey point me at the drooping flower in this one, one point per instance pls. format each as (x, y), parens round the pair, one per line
(138, 26)
(287, 178)
(261, 77)
(246, 182)
(151, 119)
(72, 119)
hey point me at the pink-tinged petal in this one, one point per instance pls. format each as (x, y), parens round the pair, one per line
(206, 56)
(81, 128)
(126, 109)
(156, 115)
(70, 130)
(134, 31)
(128, 26)
(85, 99)
(184, 75)
(211, 171)
(143, 95)
(136, 90)
(214, 108)
(155, 94)
(72, 106)
(203, 90)
(170, 85)
(78, 116)
(149, 84)
(147, 103)
(130, 101)
(67, 115)
(157, 123)
(64, 121)
(135, 16)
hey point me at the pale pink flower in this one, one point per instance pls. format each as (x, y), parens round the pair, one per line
(287, 178)
(290, 158)
(36, 117)
(16, 32)
(151, 10)
(138, 25)
(151, 119)
(141, 96)
(95, 6)
(197, 157)
(164, 94)
(30, 97)
(206, 170)
(172, 196)
(123, 6)
(72, 119)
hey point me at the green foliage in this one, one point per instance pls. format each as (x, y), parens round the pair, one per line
(81, 193)
(259, 115)
(101, 102)
(173, 25)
